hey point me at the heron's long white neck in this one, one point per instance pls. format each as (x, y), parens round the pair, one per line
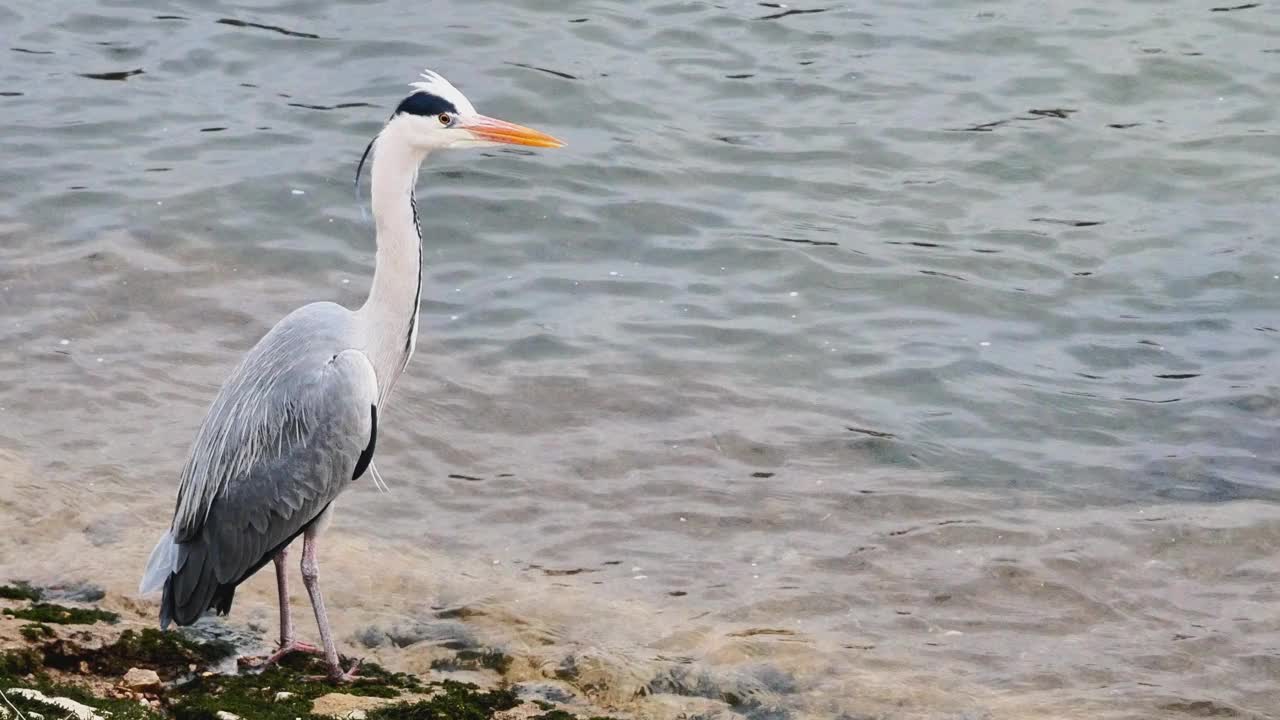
(390, 315)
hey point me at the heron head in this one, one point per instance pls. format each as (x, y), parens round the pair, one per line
(437, 116)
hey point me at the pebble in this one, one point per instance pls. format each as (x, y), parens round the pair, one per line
(444, 633)
(141, 679)
(545, 691)
(80, 591)
(753, 684)
(346, 707)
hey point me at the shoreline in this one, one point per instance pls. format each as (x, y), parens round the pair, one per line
(62, 656)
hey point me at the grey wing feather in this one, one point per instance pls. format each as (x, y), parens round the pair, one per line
(279, 444)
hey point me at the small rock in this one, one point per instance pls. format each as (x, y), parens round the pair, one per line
(81, 591)
(282, 696)
(207, 629)
(523, 711)
(449, 634)
(224, 715)
(346, 707)
(702, 708)
(141, 679)
(372, 637)
(104, 531)
(545, 691)
(756, 687)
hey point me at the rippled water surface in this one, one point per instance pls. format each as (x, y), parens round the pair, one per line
(905, 359)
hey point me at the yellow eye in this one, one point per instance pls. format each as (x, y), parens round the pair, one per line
(444, 118)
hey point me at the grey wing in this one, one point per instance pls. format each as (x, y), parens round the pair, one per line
(292, 427)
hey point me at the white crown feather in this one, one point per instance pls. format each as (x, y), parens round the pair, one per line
(434, 83)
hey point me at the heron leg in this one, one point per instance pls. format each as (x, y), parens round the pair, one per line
(311, 579)
(288, 643)
(282, 585)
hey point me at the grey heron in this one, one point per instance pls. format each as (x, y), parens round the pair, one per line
(296, 423)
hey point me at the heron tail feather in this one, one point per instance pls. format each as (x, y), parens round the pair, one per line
(161, 563)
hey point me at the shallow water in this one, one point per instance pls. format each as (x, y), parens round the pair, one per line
(915, 359)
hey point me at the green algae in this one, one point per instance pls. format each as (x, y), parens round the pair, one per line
(553, 713)
(374, 680)
(25, 668)
(61, 615)
(35, 632)
(169, 654)
(487, 659)
(247, 695)
(565, 715)
(254, 695)
(159, 651)
(452, 701)
(20, 590)
(23, 661)
(191, 693)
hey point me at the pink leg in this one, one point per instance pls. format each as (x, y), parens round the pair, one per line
(311, 579)
(288, 645)
(282, 585)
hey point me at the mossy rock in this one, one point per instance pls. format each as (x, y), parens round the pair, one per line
(23, 661)
(453, 701)
(559, 714)
(24, 668)
(61, 615)
(157, 649)
(36, 632)
(253, 695)
(555, 715)
(488, 659)
(169, 654)
(20, 591)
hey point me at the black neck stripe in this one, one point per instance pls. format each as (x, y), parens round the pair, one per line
(417, 294)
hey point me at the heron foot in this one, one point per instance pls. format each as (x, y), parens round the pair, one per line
(289, 648)
(286, 649)
(297, 646)
(338, 676)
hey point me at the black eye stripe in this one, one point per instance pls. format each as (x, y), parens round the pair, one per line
(426, 104)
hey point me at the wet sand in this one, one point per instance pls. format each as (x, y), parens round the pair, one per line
(947, 597)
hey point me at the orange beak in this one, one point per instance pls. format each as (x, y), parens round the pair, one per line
(501, 131)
